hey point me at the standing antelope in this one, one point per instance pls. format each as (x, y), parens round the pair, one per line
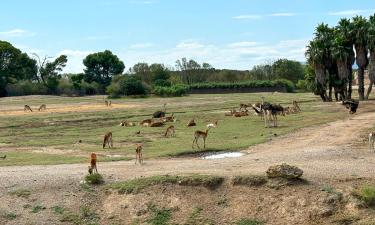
(108, 140)
(27, 108)
(42, 107)
(138, 154)
(200, 134)
(170, 131)
(92, 167)
(296, 106)
(371, 140)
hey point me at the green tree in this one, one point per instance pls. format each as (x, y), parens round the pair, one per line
(142, 70)
(288, 69)
(101, 67)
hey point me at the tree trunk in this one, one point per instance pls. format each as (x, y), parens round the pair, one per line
(361, 83)
(371, 73)
(362, 63)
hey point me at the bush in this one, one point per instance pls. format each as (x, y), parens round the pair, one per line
(95, 178)
(92, 88)
(366, 194)
(26, 87)
(162, 83)
(66, 88)
(126, 86)
(177, 90)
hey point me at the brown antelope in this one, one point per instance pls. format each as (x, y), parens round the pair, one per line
(108, 140)
(138, 154)
(157, 123)
(146, 122)
(212, 125)
(127, 124)
(27, 108)
(200, 134)
(371, 140)
(230, 113)
(168, 118)
(92, 167)
(108, 103)
(244, 106)
(296, 106)
(42, 107)
(191, 123)
(170, 132)
(239, 114)
(3, 157)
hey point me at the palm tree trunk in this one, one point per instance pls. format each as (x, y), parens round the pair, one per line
(362, 63)
(371, 73)
(361, 83)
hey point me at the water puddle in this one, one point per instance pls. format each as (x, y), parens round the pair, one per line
(114, 156)
(222, 155)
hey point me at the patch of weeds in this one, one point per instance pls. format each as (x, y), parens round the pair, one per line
(196, 218)
(134, 186)
(160, 216)
(249, 180)
(25, 193)
(58, 210)
(37, 208)
(10, 216)
(247, 221)
(87, 214)
(331, 190)
(86, 187)
(94, 179)
(366, 194)
(346, 219)
(223, 202)
(71, 217)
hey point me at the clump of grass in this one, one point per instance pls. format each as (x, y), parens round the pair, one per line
(366, 194)
(196, 218)
(85, 216)
(94, 179)
(22, 192)
(71, 217)
(249, 180)
(37, 208)
(88, 214)
(10, 216)
(58, 210)
(331, 190)
(247, 221)
(160, 216)
(134, 186)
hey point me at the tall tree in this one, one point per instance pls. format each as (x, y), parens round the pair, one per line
(360, 29)
(288, 69)
(101, 67)
(49, 72)
(143, 71)
(371, 46)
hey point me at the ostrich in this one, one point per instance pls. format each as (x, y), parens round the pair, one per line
(159, 114)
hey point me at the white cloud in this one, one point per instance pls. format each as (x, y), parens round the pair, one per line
(75, 58)
(141, 45)
(17, 33)
(189, 44)
(242, 44)
(260, 16)
(351, 12)
(281, 14)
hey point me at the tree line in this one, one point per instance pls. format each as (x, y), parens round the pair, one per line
(104, 73)
(334, 50)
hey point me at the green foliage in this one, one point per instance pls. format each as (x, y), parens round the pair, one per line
(58, 210)
(10, 216)
(177, 90)
(101, 67)
(37, 208)
(21, 192)
(288, 69)
(366, 193)
(126, 86)
(26, 87)
(134, 186)
(94, 179)
(162, 83)
(249, 180)
(160, 216)
(249, 222)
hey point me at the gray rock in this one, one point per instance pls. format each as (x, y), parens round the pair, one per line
(284, 171)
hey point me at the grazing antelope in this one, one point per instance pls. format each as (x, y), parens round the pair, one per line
(200, 134)
(127, 124)
(371, 140)
(3, 157)
(27, 108)
(42, 107)
(92, 168)
(191, 123)
(108, 140)
(146, 122)
(170, 132)
(138, 154)
(239, 114)
(212, 125)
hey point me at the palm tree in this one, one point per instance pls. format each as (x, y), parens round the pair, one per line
(371, 46)
(360, 29)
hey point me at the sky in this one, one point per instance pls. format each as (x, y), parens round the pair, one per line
(231, 34)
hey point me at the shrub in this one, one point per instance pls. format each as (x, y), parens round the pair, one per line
(95, 178)
(162, 83)
(126, 86)
(177, 90)
(66, 88)
(366, 194)
(249, 222)
(26, 87)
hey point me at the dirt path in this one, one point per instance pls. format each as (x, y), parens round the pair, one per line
(323, 152)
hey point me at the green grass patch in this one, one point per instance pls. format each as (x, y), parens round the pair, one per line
(10, 216)
(94, 179)
(21, 192)
(58, 210)
(136, 185)
(247, 221)
(366, 194)
(37, 208)
(249, 180)
(331, 190)
(159, 216)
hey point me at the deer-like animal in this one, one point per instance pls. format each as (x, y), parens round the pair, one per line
(146, 122)
(244, 106)
(27, 108)
(108, 140)
(92, 168)
(212, 125)
(127, 124)
(200, 134)
(240, 114)
(191, 123)
(371, 140)
(230, 113)
(296, 106)
(42, 107)
(108, 103)
(168, 118)
(138, 154)
(3, 157)
(157, 123)
(170, 132)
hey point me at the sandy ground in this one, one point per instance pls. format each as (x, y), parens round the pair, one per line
(331, 151)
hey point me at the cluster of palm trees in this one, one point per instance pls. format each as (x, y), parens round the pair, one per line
(334, 50)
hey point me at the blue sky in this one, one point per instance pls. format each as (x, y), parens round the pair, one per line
(235, 34)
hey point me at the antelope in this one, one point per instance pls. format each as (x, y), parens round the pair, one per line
(146, 122)
(212, 125)
(27, 108)
(157, 123)
(239, 114)
(244, 106)
(42, 107)
(3, 157)
(200, 134)
(127, 124)
(170, 131)
(371, 140)
(138, 154)
(92, 168)
(296, 106)
(108, 140)
(191, 123)
(230, 113)
(168, 118)
(108, 103)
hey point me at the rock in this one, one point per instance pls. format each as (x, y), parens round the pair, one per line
(284, 171)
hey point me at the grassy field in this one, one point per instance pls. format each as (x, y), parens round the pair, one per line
(52, 137)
